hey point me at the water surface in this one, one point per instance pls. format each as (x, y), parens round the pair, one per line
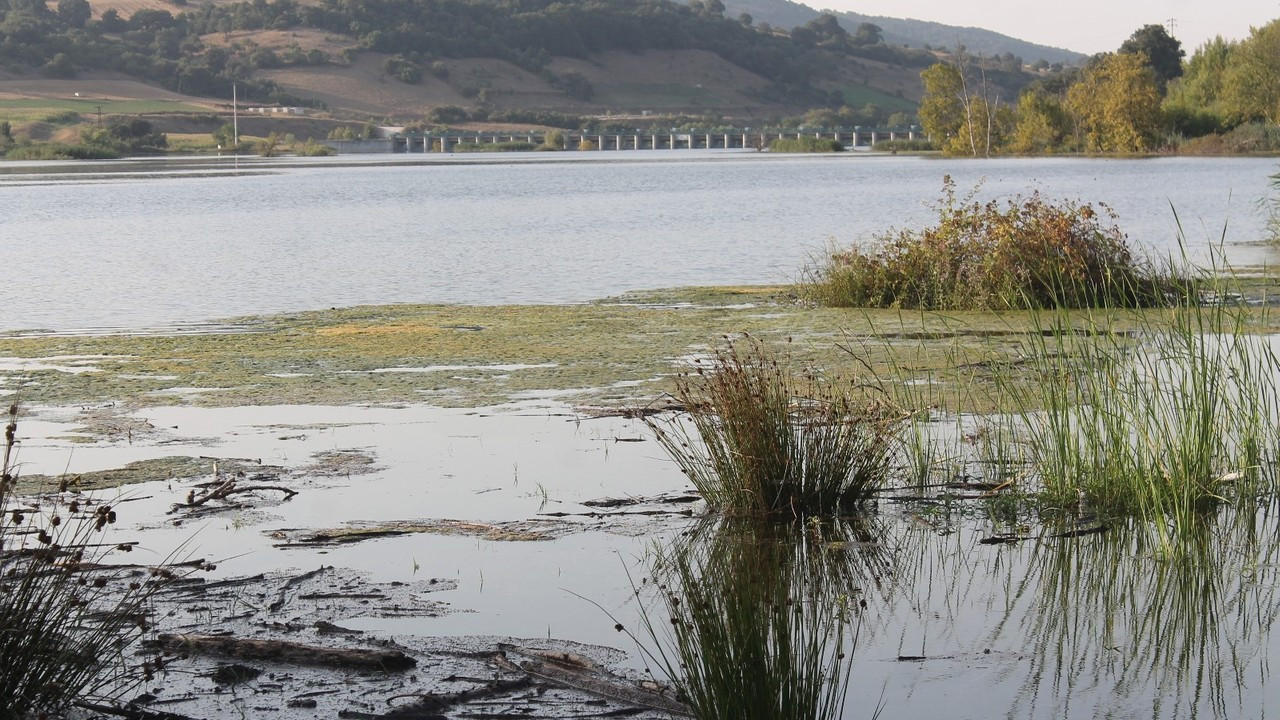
(159, 242)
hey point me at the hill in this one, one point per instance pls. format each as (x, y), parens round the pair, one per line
(905, 31)
(403, 60)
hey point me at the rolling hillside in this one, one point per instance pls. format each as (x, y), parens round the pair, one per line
(902, 31)
(401, 60)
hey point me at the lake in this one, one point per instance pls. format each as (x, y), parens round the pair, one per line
(973, 609)
(163, 242)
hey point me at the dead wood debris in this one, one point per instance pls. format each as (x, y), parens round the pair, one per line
(521, 531)
(221, 489)
(630, 501)
(284, 651)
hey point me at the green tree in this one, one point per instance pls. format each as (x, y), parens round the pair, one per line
(225, 135)
(1251, 82)
(1164, 53)
(1194, 103)
(59, 66)
(941, 110)
(868, 34)
(270, 146)
(1041, 124)
(74, 12)
(553, 140)
(961, 119)
(1116, 104)
(1203, 78)
(898, 119)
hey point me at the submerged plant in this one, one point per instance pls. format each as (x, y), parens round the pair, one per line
(65, 623)
(764, 616)
(761, 438)
(1025, 252)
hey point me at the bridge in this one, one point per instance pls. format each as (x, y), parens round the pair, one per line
(445, 142)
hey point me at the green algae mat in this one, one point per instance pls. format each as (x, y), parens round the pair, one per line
(614, 353)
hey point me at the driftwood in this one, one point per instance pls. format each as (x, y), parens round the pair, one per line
(286, 652)
(282, 595)
(645, 513)
(1013, 538)
(129, 711)
(574, 671)
(222, 489)
(628, 501)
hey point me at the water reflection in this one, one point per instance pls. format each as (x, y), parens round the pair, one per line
(765, 615)
(1183, 633)
(905, 612)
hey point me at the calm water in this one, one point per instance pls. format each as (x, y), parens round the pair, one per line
(160, 242)
(1098, 626)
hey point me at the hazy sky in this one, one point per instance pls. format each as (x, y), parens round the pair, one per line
(1086, 26)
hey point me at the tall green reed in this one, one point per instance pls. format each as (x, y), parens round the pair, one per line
(1160, 414)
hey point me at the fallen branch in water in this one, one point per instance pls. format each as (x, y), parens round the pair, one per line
(286, 652)
(222, 489)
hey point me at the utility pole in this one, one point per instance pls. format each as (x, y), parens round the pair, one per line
(1170, 24)
(235, 117)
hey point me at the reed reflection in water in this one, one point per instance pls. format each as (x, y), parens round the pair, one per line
(765, 615)
(885, 615)
(1115, 620)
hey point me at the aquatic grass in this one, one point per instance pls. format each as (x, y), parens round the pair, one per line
(65, 624)
(1026, 252)
(763, 438)
(763, 616)
(1161, 422)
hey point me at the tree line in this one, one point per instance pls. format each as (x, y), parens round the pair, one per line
(1141, 98)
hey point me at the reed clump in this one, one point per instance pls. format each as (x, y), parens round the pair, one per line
(65, 623)
(806, 144)
(762, 438)
(1025, 252)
